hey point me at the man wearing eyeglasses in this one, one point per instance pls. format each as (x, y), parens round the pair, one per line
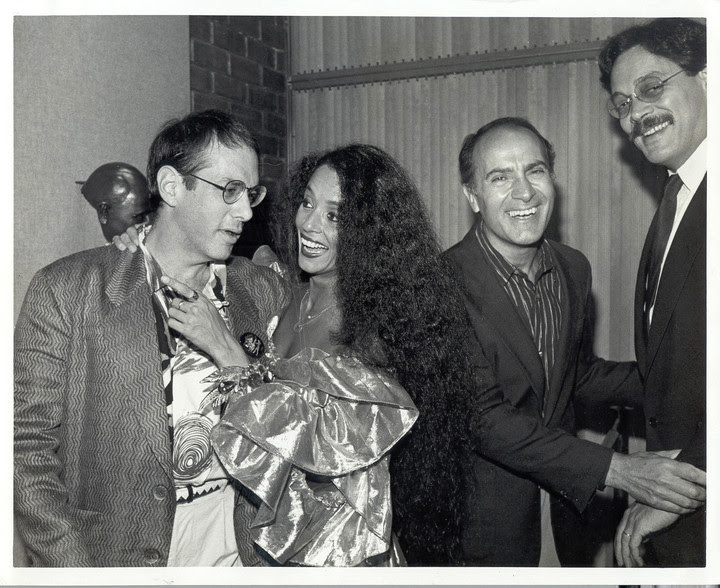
(113, 462)
(656, 74)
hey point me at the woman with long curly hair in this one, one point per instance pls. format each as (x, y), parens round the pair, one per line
(374, 338)
(399, 312)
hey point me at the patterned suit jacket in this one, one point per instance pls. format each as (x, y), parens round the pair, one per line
(93, 471)
(519, 445)
(672, 361)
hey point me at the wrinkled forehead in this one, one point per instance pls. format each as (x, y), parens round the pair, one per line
(509, 143)
(231, 162)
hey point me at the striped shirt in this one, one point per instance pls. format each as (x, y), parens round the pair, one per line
(539, 304)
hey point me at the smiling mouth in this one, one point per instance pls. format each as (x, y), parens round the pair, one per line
(650, 125)
(312, 246)
(656, 128)
(527, 213)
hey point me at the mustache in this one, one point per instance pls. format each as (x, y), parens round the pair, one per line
(647, 123)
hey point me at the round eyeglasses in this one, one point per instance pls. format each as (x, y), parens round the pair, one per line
(234, 189)
(648, 89)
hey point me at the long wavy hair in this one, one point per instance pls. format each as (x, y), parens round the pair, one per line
(401, 312)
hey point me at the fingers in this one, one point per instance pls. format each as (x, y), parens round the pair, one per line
(684, 471)
(132, 234)
(183, 310)
(118, 242)
(669, 453)
(617, 547)
(693, 474)
(621, 541)
(675, 502)
(124, 241)
(628, 544)
(668, 506)
(685, 484)
(665, 484)
(635, 548)
(179, 288)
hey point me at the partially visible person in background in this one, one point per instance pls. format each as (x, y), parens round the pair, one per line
(119, 193)
(656, 75)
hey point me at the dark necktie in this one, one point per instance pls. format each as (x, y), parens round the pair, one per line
(663, 227)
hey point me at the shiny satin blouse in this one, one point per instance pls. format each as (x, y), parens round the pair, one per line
(313, 444)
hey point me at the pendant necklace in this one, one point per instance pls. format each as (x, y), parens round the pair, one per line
(310, 317)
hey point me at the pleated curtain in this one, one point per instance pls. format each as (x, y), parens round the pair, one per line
(605, 191)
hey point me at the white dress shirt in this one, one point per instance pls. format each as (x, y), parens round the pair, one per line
(691, 173)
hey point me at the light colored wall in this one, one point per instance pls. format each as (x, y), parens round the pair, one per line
(87, 90)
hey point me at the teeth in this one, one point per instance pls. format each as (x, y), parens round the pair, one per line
(523, 213)
(656, 128)
(312, 244)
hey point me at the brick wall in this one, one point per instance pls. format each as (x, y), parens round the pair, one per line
(239, 64)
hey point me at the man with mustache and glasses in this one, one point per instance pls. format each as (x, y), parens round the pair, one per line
(656, 74)
(529, 303)
(113, 461)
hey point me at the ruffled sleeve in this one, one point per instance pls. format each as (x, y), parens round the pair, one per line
(313, 445)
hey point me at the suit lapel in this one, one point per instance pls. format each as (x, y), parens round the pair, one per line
(242, 308)
(572, 310)
(688, 241)
(495, 307)
(130, 327)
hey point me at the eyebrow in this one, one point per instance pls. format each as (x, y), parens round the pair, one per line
(537, 163)
(330, 202)
(498, 170)
(505, 170)
(651, 74)
(636, 81)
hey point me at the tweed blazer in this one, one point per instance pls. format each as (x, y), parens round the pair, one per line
(93, 457)
(672, 358)
(519, 444)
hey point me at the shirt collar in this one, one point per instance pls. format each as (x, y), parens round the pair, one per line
(694, 169)
(503, 267)
(218, 271)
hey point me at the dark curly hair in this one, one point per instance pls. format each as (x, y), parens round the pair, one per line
(681, 40)
(400, 312)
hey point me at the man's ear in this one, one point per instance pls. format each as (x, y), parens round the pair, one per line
(103, 210)
(170, 184)
(472, 198)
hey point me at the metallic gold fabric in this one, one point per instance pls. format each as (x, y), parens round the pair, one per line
(313, 446)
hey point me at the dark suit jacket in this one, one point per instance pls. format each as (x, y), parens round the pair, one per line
(519, 446)
(672, 362)
(93, 463)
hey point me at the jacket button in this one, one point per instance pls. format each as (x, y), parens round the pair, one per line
(152, 556)
(653, 422)
(160, 492)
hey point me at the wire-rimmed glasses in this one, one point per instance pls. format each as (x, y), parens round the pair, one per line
(234, 189)
(649, 89)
